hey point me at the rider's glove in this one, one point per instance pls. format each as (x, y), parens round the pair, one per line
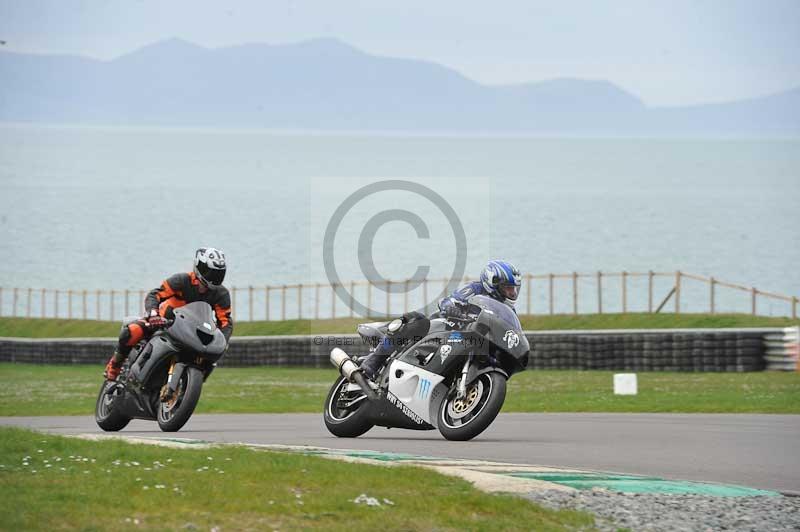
(411, 317)
(455, 311)
(154, 321)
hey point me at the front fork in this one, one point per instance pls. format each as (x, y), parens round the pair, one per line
(175, 373)
(461, 388)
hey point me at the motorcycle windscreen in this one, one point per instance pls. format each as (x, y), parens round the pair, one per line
(500, 325)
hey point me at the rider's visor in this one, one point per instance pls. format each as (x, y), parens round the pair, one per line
(509, 291)
(211, 275)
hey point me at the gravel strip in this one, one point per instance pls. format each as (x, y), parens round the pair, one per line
(663, 512)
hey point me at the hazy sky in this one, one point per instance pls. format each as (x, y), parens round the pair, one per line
(667, 52)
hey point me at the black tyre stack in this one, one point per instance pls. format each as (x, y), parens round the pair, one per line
(662, 350)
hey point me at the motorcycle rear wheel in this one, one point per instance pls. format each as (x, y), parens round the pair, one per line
(463, 419)
(173, 415)
(345, 424)
(105, 415)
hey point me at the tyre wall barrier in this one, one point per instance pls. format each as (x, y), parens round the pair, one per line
(651, 350)
(783, 349)
(630, 350)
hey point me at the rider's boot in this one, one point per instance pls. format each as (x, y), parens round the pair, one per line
(376, 359)
(114, 366)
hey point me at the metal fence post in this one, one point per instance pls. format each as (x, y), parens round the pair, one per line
(266, 302)
(650, 291)
(712, 303)
(316, 301)
(575, 293)
(352, 296)
(550, 288)
(127, 302)
(141, 302)
(794, 307)
(388, 297)
(28, 310)
(55, 306)
(85, 309)
(753, 293)
(528, 290)
(97, 301)
(16, 298)
(624, 292)
(677, 292)
(250, 302)
(599, 292)
(283, 303)
(43, 302)
(299, 301)
(111, 305)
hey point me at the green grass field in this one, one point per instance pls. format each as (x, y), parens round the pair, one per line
(31, 390)
(56, 483)
(53, 328)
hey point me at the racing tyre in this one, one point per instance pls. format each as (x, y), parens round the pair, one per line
(463, 419)
(173, 414)
(346, 413)
(106, 416)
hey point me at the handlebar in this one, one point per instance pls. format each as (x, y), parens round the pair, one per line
(167, 323)
(461, 322)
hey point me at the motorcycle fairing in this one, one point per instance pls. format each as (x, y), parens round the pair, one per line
(390, 412)
(498, 324)
(195, 328)
(413, 387)
(155, 353)
(373, 331)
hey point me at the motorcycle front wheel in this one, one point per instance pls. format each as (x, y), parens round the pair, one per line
(105, 413)
(462, 419)
(346, 413)
(174, 413)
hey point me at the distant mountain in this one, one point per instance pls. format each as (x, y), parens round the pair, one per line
(327, 84)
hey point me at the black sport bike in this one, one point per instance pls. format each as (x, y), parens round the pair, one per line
(162, 378)
(453, 378)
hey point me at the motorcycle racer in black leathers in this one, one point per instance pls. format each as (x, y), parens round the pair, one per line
(500, 280)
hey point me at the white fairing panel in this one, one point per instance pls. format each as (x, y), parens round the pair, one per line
(414, 387)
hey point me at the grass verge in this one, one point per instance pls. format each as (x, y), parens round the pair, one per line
(50, 482)
(30, 390)
(56, 328)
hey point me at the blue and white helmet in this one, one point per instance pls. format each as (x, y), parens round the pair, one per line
(502, 281)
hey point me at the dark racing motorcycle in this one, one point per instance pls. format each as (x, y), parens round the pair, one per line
(163, 377)
(451, 377)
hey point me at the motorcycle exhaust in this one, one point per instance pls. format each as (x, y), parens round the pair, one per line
(350, 371)
(343, 363)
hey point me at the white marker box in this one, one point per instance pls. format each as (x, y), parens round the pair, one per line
(625, 384)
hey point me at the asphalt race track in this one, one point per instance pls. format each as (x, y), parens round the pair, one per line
(759, 451)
